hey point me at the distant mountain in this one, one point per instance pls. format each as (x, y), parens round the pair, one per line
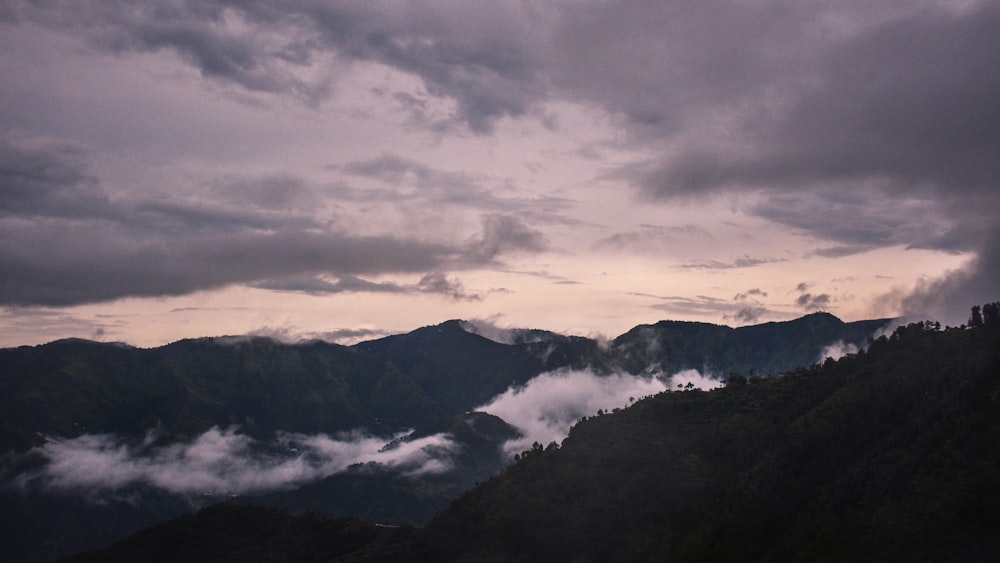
(71, 387)
(763, 349)
(889, 454)
(463, 370)
(273, 399)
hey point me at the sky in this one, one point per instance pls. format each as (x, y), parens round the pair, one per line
(347, 170)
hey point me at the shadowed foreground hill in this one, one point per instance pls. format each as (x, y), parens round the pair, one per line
(891, 454)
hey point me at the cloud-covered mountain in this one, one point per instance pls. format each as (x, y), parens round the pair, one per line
(129, 435)
(890, 453)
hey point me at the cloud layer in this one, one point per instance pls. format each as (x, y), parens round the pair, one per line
(222, 462)
(547, 406)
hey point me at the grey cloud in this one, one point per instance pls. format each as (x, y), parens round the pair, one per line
(949, 297)
(223, 461)
(318, 285)
(48, 263)
(64, 242)
(48, 178)
(744, 261)
(811, 302)
(431, 283)
(893, 103)
(207, 35)
(911, 101)
(438, 282)
(699, 305)
(503, 234)
(471, 54)
(409, 181)
(749, 315)
(755, 292)
(278, 191)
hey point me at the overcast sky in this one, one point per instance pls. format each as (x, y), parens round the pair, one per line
(344, 170)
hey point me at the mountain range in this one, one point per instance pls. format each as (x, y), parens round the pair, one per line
(104, 439)
(888, 454)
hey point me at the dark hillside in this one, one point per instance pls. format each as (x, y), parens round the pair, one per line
(459, 369)
(892, 454)
(70, 387)
(764, 349)
(888, 455)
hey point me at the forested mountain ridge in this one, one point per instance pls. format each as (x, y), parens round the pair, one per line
(131, 404)
(892, 453)
(763, 349)
(69, 387)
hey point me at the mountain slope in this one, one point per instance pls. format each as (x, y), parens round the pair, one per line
(425, 380)
(70, 387)
(890, 455)
(763, 349)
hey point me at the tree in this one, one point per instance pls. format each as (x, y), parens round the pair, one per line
(976, 320)
(991, 314)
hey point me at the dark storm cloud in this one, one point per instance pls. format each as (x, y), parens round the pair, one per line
(892, 103)
(48, 178)
(912, 102)
(471, 54)
(432, 283)
(64, 242)
(54, 263)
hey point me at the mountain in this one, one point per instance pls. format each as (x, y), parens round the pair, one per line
(463, 370)
(763, 349)
(890, 454)
(381, 430)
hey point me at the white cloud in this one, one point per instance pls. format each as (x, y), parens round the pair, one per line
(224, 461)
(547, 406)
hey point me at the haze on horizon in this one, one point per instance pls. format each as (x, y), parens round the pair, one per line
(345, 170)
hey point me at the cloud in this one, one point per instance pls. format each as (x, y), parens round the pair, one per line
(503, 234)
(837, 350)
(949, 297)
(48, 178)
(741, 308)
(748, 315)
(755, 292)
(813, 302)
(65, 242)
(863, 124)
(222, 461)
(744, 261)
(545, 408)
(476, 56)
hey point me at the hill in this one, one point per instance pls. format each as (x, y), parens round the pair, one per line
(763, 349)
(104, 439)
(889, 454)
